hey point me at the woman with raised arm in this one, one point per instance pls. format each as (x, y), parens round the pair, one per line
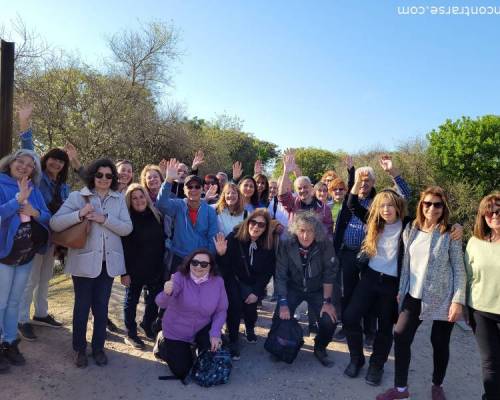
(247, 262)
(482, 262)
(94, 267)
(432, 287)
(24, 230)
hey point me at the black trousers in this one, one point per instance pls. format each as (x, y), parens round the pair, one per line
(132, 295)
(486, 327)
(326, 327)
(180, 356)
(378, 291)
(404, 332)
(348, 279)
(238, 308)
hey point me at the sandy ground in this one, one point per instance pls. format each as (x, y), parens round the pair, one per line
(132, 374)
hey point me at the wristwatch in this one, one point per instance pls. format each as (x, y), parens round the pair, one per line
(327, 300)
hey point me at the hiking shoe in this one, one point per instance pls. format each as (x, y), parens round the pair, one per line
(26, 331)
(339, 336)
(352, 370)
(12, 353)
(394, 394)
(4, 364)
(49, 321)
(100, 357)
(251, 336)
(374, 375)
(81, 359)
(234, 350)
(369, 339)
(437, 393)
(135, 342)
(322, 357)
(110, 326)
(148, 331)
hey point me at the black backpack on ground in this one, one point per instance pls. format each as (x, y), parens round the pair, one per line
(285, 339)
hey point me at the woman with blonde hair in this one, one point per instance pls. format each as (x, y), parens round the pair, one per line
(151, 179)
(143, 248)
(483, 283)
(247, 262)
(382, 250)
(229, 208)
(432, 287)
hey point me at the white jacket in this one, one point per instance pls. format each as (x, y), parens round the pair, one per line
(87, 262)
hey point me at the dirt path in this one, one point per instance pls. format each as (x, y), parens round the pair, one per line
(132, 374)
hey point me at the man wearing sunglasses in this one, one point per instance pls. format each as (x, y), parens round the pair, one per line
(195, 222)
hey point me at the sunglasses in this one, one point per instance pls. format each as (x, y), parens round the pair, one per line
(338, 189)
(100, 175)
(437, 205)
(209, 183)
(193, 187)
(261, 225)
(490, 214)
(198, 263)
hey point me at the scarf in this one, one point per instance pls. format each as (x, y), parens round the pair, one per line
(200, 280)
(251, 249)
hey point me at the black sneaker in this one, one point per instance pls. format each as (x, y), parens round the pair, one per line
(81, 359)
(26, 331)
(148, 331)
(234, 350)
(110, 326)
(4, 364)
(49, 321)
(339, 336)
(100, 357)
(251, 336)
(374, 375)
(352, 370)
(322, 357)
(135, 342)
(12, 353)
(369, 339)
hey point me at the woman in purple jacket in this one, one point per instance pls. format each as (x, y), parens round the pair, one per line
(196, 305)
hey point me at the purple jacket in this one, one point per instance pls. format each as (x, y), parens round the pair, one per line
(191, 307)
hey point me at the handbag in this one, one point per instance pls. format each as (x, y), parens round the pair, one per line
(212, 369)
(284, 339)
(74, 237)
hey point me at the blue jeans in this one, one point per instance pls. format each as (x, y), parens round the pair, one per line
(13, 281)
(91, 293)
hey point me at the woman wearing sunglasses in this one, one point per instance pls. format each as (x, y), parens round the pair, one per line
(432, 287)
(94, 267)
(196, 304)
(247, 262)
(482, 262)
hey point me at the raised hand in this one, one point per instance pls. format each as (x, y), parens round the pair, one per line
(237, 170)
(211, 193)
(199, 158)
(386, 163)
(289, 161)
(72, 155)
(348, 161)
(24, 114)
(257, 167)
(171, 171)
(168, 287)
(163, 167)
(24, 189)
(220, 244)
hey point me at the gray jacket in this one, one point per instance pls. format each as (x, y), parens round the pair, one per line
(87, 262)
(444, 282)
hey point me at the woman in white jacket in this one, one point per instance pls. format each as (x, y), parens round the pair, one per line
(94, 267)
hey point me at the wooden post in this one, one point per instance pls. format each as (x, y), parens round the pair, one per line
(6, 96)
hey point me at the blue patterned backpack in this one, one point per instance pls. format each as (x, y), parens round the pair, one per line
(212, 369)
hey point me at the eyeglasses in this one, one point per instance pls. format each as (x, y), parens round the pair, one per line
(100, 175)
(254, 222)
(198, 263)
(197, 187)
(490, 214)
(25, 164)
(437, 205)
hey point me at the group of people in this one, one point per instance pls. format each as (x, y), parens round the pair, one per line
(202, 251)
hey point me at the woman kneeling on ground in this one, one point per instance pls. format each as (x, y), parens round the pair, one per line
(196, 305)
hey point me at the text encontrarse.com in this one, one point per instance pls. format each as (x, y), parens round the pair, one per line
(448, 10)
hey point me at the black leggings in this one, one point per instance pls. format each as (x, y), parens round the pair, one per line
(404, 332)
(486, 328)
(238, 308)
(179, 355)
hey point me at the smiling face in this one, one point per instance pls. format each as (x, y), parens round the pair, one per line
(247, 188)
(322, 193)
(103, 178)
(387, 210)
(338, 194)
(197, 270)
(432, 208)
(261, 185)
(492, 217)
(138, 201)
(22, 166)
(305, 235)
(125, 173)
(256, 227)
(273, 189)
(366, 186)
(182, 172)
(231, 197)
(304, 189)
(153, 180)
(193, 191)
(53, 166)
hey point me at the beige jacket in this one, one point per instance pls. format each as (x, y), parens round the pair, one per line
(87, 262)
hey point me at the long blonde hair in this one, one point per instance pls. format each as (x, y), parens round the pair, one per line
(128, 199)
(375, 224)
(146, 169)
(221, 203)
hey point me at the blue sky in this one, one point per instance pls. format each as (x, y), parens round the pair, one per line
(349, 75)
